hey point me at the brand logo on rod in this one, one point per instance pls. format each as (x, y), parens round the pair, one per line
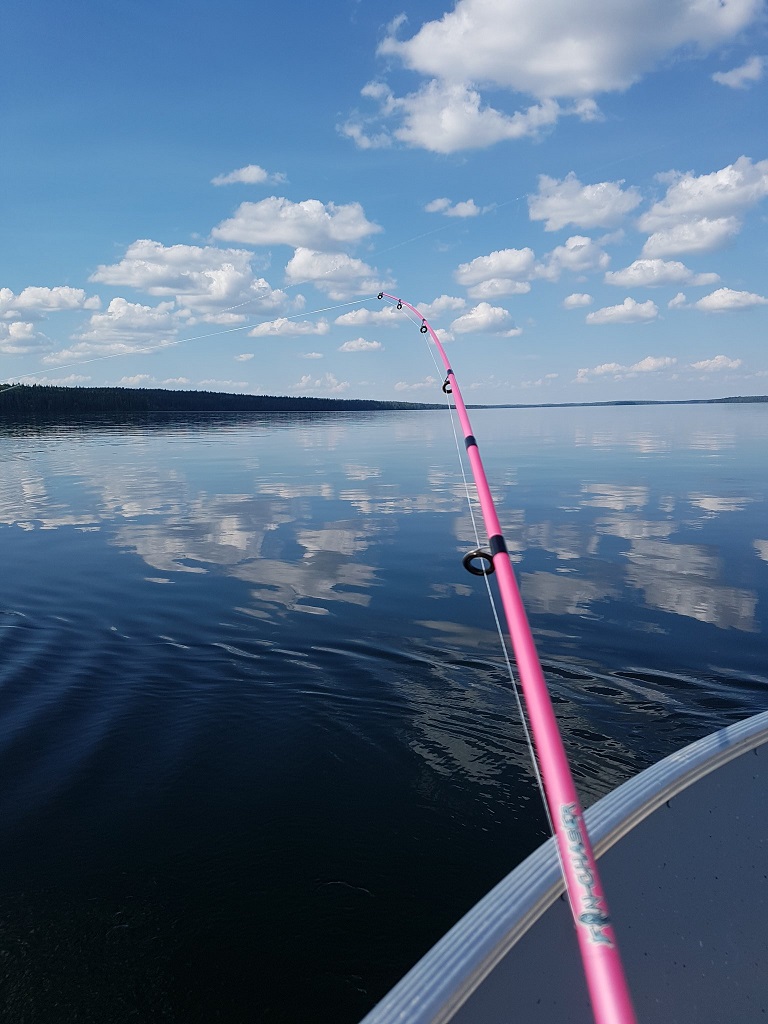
(592, 915)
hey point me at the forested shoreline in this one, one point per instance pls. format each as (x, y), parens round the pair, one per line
(50, 402)
(21, 401)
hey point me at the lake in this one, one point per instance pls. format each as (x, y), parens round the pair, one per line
(258, 746)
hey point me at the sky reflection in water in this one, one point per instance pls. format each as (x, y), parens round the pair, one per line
(266, 619)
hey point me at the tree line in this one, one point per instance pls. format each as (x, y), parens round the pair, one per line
(44, 401)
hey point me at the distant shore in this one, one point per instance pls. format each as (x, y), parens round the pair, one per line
(25, 401)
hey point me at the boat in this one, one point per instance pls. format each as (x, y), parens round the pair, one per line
(683, 858)
(683, 853)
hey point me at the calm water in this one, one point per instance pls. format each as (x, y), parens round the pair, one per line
(257, 748)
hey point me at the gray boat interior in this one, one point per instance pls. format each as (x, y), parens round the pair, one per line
(683, 851)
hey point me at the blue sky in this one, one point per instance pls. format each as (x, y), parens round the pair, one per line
(209, 196)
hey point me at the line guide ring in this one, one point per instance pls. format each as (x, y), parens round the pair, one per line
(478, 570)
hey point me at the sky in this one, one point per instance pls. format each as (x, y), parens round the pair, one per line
(210, 196)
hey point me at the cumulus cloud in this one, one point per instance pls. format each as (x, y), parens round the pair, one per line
(731, 190)
(725, 299)
(286, 327)
(629, 312)
(220, 385)
(420, 385)
(312, 355)
(650, 364)
(70, 381)
(203, 278)
(310, 224)
(361, 345)
(125, 327)
(485, 318)
(244, 357)
(447, 117)
(569, 48)
(20, 338)
(700, 213)
(443, 304)
(503, 272)
(702, 235)
(579, 255)
(252, 174)
(386, 315)
(576, 300)
(742, 77)
(560, 203)
(468, 208)
(716, 364)
(328, 383)
(560, 52)
(652, 273)
(34, 302)
(341, 276)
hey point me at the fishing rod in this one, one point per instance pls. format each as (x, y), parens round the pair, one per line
(603, 969)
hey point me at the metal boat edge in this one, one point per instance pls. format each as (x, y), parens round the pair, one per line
(441, 982)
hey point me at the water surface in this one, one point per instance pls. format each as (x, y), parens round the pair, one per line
(258, 746)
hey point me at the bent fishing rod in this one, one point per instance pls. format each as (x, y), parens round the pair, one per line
(603, 969)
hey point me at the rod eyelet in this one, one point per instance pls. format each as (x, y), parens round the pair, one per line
(478, 570)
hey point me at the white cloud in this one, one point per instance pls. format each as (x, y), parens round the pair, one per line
(468, 208)
(310, 224)
(742, 77)
(341, 276)
(730, 191)
(136, 381)
(571, 48)
(702, 213)
(204, 278)
(579, 255)
(652, 273)
(702, 235)
(252, 174)
(560, 203)
(576, 300)
(214, 384)
(386, 315)
(650, 364)
(20, 338)
(421, 385)
(725, 299)
(653, 363)
(560, 52)
(327, 383)
(70, 381)
(285, 327)
(484, 318)
(450, 304)
(312, 355)
(244, 357)
(360, 345)
(679, 301)
(716, 363)
(448, 117)
(124, 328)
(35, 301)
(503, 272)
(629, 312)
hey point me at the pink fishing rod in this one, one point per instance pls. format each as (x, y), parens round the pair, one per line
(603, 969)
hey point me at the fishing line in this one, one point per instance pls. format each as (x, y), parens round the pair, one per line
(494, 610)
(601, 962)
(182, 341)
